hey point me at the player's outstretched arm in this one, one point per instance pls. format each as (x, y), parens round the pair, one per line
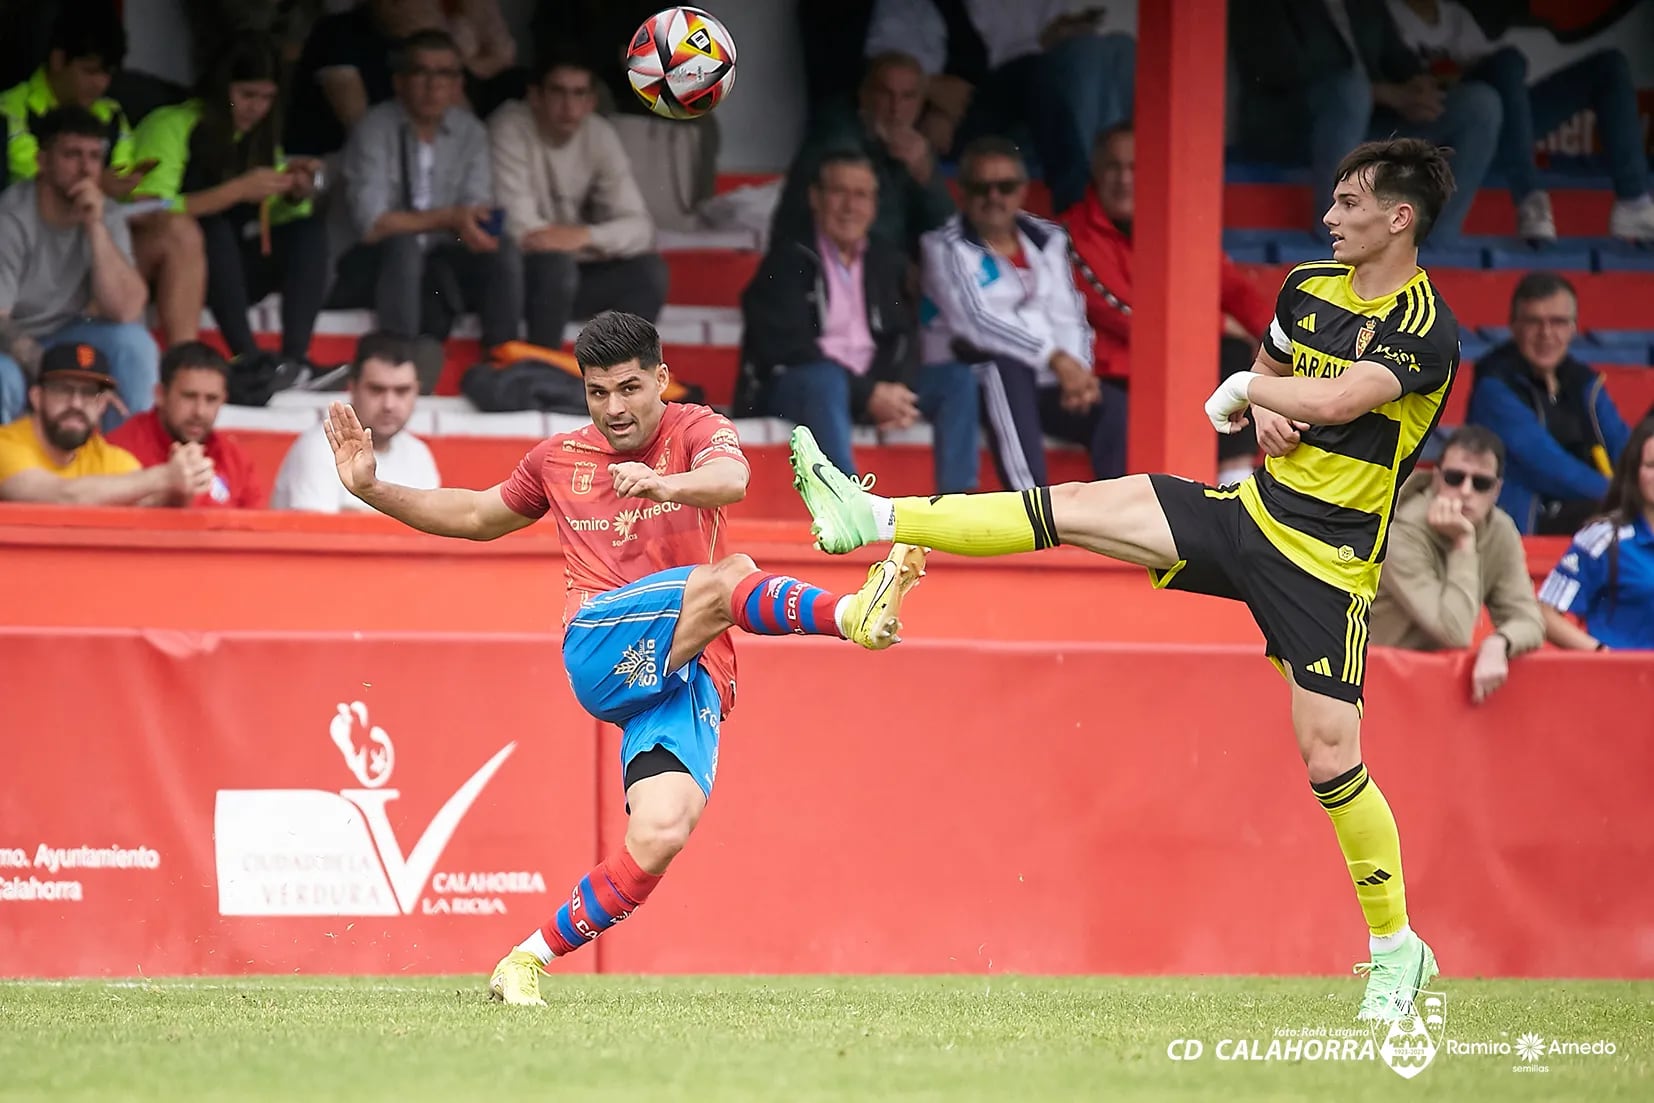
(445, 511)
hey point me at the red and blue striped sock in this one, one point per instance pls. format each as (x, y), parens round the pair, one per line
(776, 605)
(603, 898)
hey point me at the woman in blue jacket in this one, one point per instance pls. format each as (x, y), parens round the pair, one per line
(1607, 576)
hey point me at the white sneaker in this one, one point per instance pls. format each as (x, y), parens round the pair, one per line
(1534, 221)
(1632, 219)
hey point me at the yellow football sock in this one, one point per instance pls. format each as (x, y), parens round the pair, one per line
(978, 524)
(1372, 846)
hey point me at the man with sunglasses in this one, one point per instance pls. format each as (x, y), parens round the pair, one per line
(1453, 550)
(1348, 382)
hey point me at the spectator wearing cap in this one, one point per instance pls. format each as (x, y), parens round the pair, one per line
(1453, 550)
(66, 271)
(55, 454)
(195, 382)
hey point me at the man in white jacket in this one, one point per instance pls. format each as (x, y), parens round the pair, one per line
(572, 205)
(999, 293)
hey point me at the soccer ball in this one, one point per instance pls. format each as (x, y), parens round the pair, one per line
(681, 63)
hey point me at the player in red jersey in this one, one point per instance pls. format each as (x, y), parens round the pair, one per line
(639, 498)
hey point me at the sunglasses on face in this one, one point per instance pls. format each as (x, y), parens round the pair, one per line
(1454, 477)
(980, 188)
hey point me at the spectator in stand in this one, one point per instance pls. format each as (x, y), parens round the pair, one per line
(383, 387)
(195, 381)
(86, 49)
(1560, 427)
(913, 196)
(1320, 76)
(1606, 578)
(1100, 226)
(831, 333)
(83, 54)
(346, 68)
(55, 454)
(994, 66)
(572, 205)
(999, 293)
(1453, 46)
(421, 197)
(217, 159)
(1451, 551)
(66, 271)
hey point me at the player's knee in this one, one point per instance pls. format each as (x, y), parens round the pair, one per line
(657, 837)
(730, 570)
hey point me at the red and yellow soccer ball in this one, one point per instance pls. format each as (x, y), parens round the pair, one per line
(681, 63)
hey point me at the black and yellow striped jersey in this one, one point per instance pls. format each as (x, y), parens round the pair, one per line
(1327, 504)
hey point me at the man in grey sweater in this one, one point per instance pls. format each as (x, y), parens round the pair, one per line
(572, 205)
(1452, 550)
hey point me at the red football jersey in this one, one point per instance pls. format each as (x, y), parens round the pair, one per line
(610, 541)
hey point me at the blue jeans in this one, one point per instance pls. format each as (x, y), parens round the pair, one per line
(1080, 88)
(817, 396)
(134, 361)
(1342, 116)
(1601, 82)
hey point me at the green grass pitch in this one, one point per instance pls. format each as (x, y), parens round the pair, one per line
(793, 1039)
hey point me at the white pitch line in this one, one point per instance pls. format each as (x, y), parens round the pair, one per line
(321, 986)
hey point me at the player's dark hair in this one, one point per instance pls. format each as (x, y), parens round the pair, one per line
(392, 348)
(68, 119)
(559, 58)
(989, 145)
(1624, 502)
(614, 338)
(192, 356)
(429, 40)
(838, 157)
(1539, 285)
(89, 30)
(1478, 441)
(1404, 170)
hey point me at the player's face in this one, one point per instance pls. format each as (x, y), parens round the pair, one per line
(384, 396)
(1114, 171)
(1360, 224)
(562, 101)
(892, 98)
(189, 405)
(431, 85)
(625, 403)
(250, 102)
(68, 159)
(81, 81)
(994, 188)
(1468, 468)
(1542, 329)
(69, 410)
(845, 202)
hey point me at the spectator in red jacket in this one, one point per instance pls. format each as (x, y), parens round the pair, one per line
(1100, 227)
(194, 384)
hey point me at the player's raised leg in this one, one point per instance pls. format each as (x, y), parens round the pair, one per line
(1120, 518)
(1329, 738)
(736, 593)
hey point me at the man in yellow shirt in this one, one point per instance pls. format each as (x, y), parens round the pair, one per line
(54, 454)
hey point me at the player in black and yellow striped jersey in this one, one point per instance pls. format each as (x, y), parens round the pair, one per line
(1346, 387)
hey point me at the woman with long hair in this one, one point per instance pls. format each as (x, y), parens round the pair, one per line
(1606, 579)
(217, 159)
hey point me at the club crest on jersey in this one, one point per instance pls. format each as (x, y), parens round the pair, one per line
(584, 473)
(1365, 337)
(665, 458)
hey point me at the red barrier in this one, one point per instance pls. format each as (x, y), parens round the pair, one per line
(945, 807)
